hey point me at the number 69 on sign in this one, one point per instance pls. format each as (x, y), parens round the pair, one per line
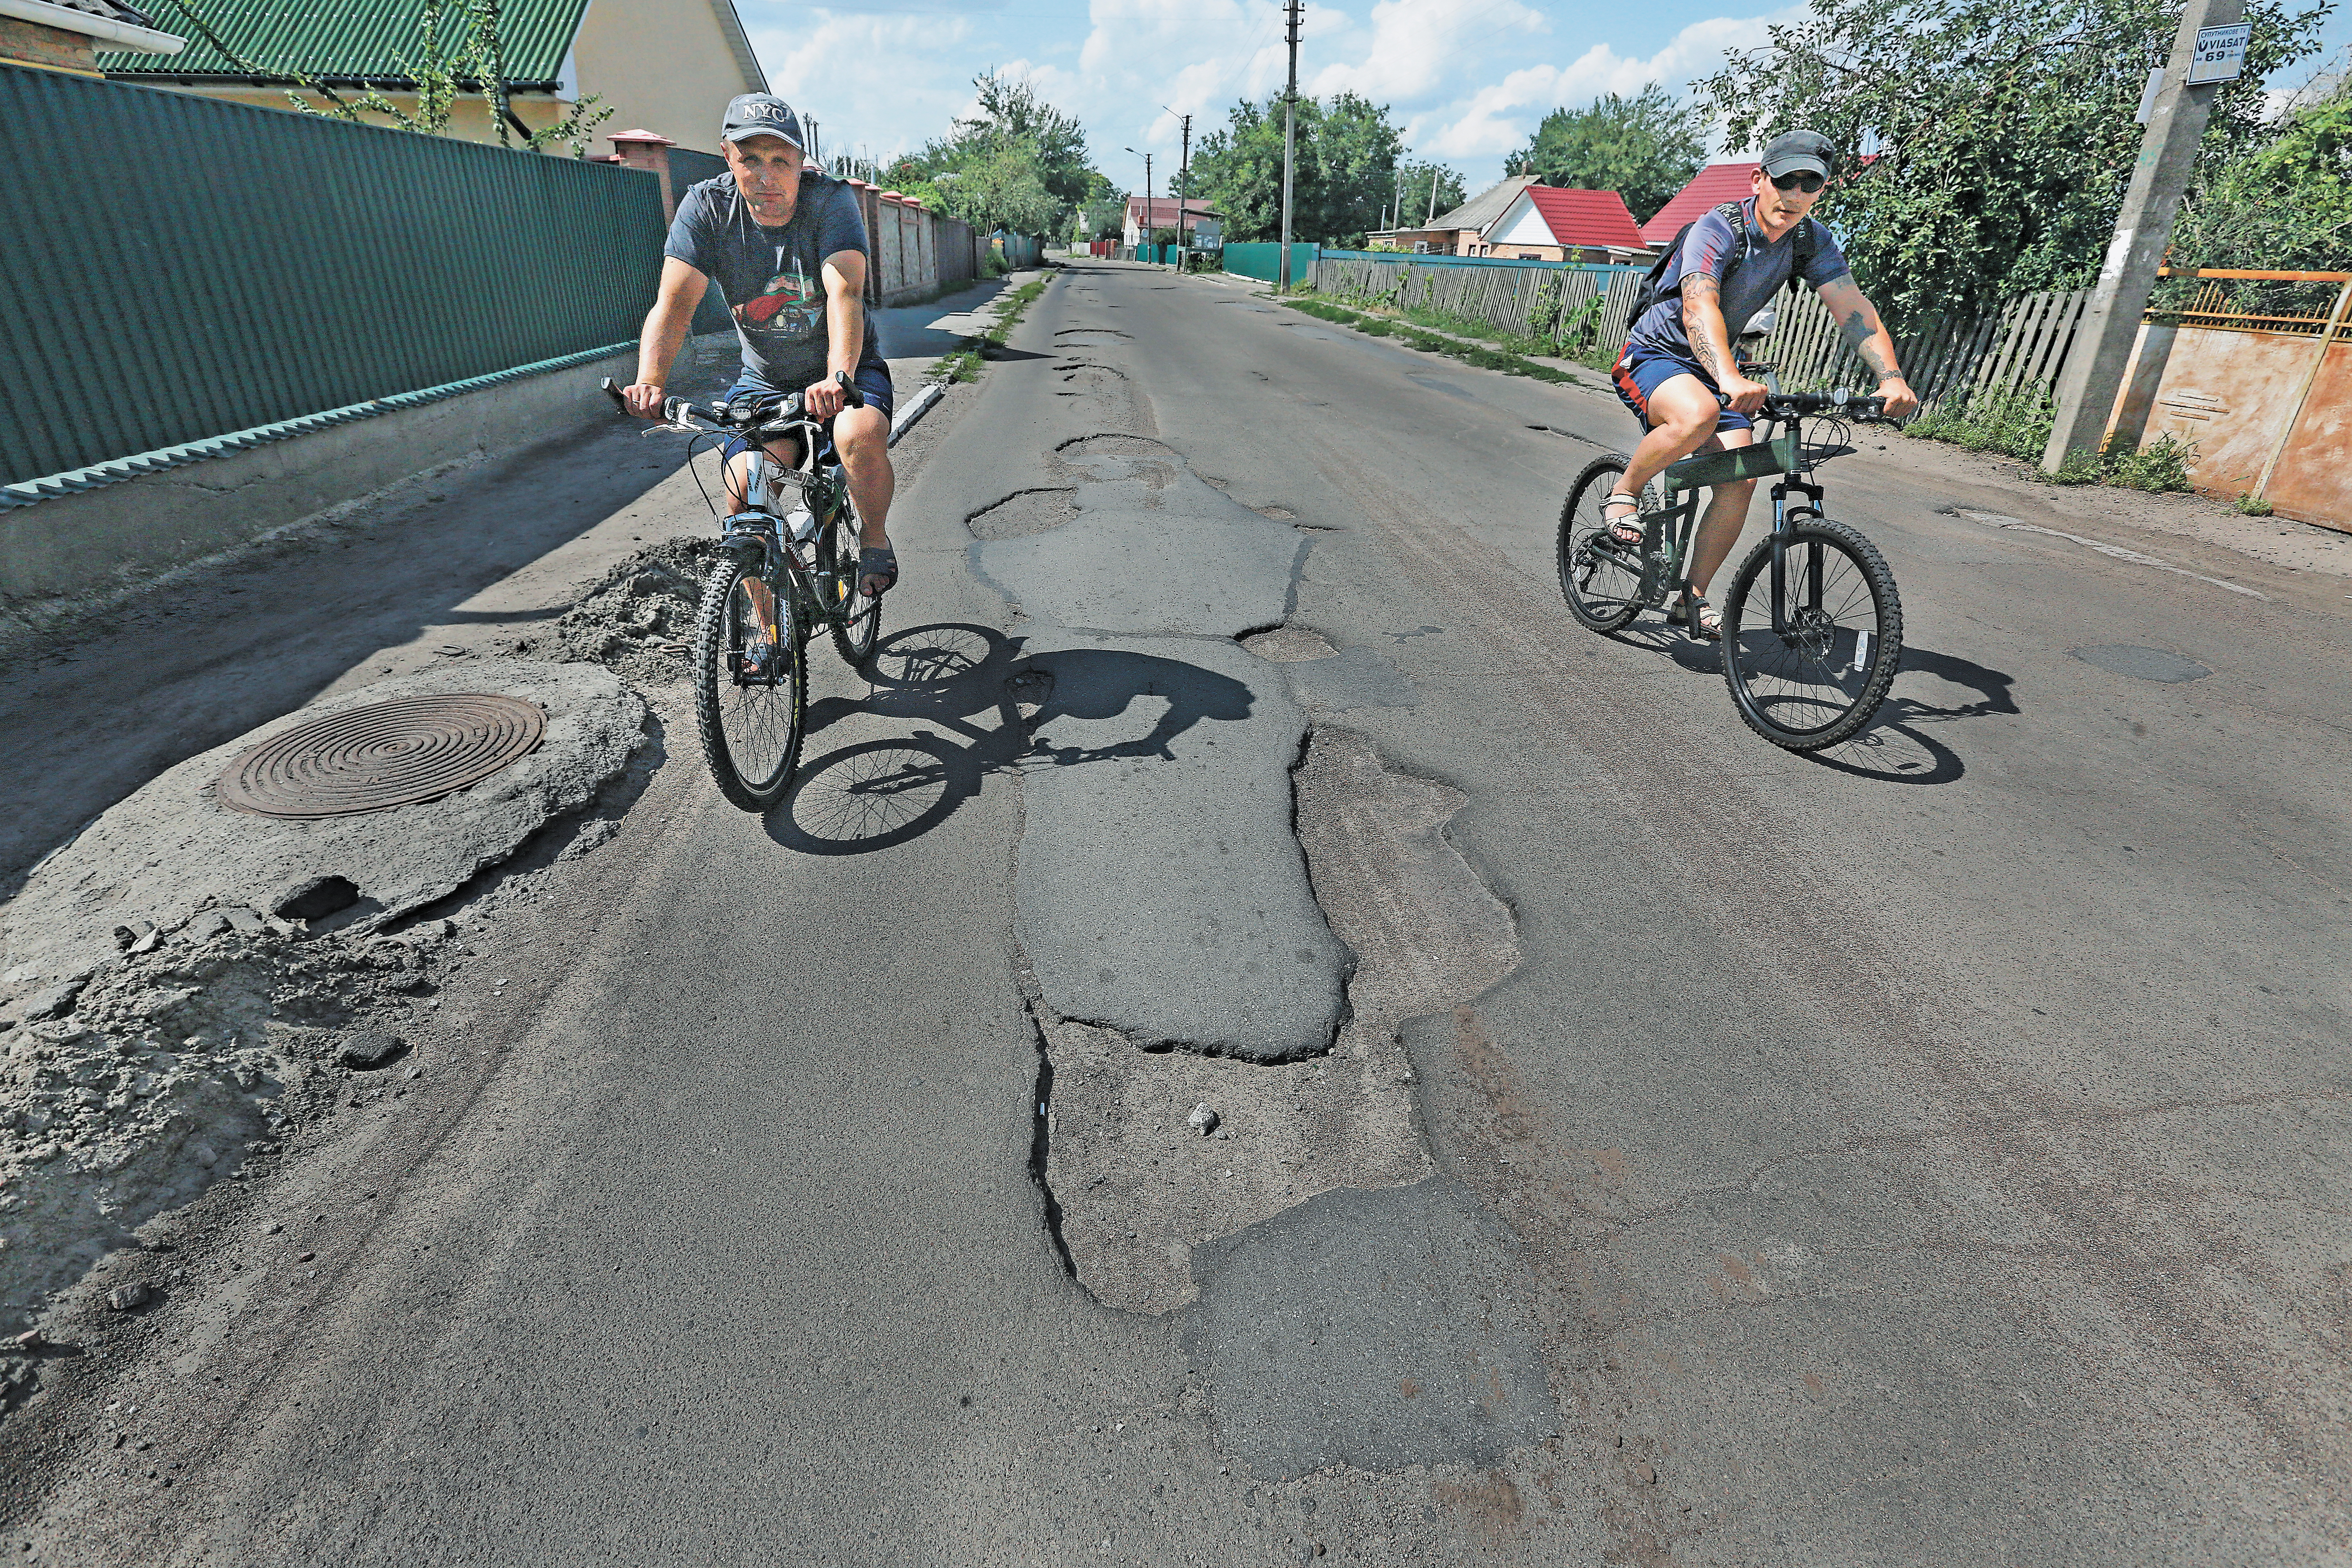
(2221, 53)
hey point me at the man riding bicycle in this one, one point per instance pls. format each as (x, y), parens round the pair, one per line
(787, 247)
(1678, 356)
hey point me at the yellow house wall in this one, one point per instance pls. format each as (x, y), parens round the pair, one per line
(662, 65)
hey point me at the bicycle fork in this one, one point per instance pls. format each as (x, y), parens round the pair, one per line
(1784, 520)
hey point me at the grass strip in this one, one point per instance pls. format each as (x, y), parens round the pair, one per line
(1429, 342)
(965, 363)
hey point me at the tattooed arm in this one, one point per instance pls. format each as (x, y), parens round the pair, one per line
(1711, 342)
(1871, 342)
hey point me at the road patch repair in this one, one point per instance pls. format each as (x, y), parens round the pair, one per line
(185, 981)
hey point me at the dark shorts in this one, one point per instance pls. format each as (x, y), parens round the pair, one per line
(873, 380)
(1640, 372)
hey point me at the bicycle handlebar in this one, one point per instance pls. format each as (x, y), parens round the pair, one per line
(745, 413)
(1798, 405)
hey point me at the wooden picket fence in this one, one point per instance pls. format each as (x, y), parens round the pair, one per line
(2022, 344)
(1502, 296)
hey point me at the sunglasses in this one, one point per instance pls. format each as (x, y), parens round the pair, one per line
(1803, 180)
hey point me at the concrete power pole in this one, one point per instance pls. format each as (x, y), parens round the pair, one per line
(1183, 180)
(1291, 10)
(2095, 367)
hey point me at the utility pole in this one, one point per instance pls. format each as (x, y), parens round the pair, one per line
(1433, 200)
(1183, 180)
(1291, 12)
(2094, 366)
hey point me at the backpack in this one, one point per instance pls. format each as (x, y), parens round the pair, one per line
(1735, 214)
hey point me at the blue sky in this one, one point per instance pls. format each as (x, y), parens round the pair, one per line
(1468, 79)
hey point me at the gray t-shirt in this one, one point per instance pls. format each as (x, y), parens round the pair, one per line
(773, 279)
(1711, 247)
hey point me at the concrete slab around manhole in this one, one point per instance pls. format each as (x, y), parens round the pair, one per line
(2142, 663)
(1376, 1330)
(160, 855)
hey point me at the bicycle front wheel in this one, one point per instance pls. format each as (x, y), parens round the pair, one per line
(751, 685)
(857, 620)
(1809, 646)
(1602, 581)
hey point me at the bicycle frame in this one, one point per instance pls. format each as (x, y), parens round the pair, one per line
(760, 523)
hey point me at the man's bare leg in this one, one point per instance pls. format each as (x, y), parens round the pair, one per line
(1727, 515)
(862, 437)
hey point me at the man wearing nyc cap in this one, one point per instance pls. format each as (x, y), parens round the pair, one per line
(1678, 355)
(787, 249)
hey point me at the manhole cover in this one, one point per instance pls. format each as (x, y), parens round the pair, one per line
(385, 754)
(2142, 663)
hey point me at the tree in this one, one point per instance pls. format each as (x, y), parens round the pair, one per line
(1645, 148)
(2283, 206)
(1347, 155)
(1416, 205)
(442, 72)
(2003, 130)
(1016, 163)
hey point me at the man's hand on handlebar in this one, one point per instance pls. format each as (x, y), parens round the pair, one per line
(1742, 396)
(1900, 399)
(644, 399)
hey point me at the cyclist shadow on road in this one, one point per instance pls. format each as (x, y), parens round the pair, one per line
(1894, 747)
(983, 701)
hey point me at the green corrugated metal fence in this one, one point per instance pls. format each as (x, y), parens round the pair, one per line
(1261, 259)
(174, 268)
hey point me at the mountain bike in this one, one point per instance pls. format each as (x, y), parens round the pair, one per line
(1812, 625)
(782, 575)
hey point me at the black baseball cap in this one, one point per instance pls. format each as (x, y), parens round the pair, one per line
(761, 114)
(1798, 150)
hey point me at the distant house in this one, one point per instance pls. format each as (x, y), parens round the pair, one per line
(1543, 224)
(1461, 231)
(68, 35)
(671, 65)
(1147, 215)
(1525, 220)
(1710, 188)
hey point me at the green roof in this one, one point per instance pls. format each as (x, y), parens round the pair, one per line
(341, 41)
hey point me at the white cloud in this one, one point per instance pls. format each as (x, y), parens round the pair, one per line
(1468, 79)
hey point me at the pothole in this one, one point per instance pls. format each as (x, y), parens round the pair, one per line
(1279, 513)
(1088, 337)
(1111, 445)
(1288, 644)
(1025, 512)
(1132, 1183)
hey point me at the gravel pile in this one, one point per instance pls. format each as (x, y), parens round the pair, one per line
(168, 1068)
(636, 618)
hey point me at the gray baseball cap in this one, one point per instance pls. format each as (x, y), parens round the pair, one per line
(761, 114)
(1795, 149)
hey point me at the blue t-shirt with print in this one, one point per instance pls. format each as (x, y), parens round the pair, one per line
(772, 280)
(1711, 247)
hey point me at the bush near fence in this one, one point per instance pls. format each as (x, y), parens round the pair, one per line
(298, 265)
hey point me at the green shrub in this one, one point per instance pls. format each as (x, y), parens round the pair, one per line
(2253, 505)
(2081, 468)
(2161, 465)
(2015, 420)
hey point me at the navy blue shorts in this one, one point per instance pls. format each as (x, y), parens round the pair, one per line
(1640, 372)
(873, 380)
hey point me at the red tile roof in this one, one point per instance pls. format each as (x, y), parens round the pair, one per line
(1711, 186)
(1586, 218)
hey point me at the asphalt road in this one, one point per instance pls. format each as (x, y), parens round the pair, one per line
(1642, 1145)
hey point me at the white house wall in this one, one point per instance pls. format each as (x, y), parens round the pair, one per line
(1521, 224)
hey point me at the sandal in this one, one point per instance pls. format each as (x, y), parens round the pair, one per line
(1625, 533)
(1701, 620)
(877, 569)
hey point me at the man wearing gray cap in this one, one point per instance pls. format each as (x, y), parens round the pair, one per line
(787, 247)
(1678, 355)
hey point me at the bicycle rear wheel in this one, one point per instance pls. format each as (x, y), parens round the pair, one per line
(1815, 672)
(859, 625)
(752, 721)
(1602, 581)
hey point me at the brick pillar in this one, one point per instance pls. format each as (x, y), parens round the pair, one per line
(644, 150)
